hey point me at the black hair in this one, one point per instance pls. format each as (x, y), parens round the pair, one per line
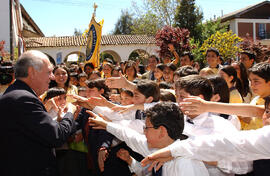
(171, 66)
(244, 79)
(91, 65)
(131, 65)
(250, 54)
(153, 56)
(267, 101)
(99, 84)
(185, 71)
(126, 91)
(189, 54)
(262, 70)
(230, 71)
(221, 88)
(149, 89)
(166, 95)
(212, 50)
(141, 69)
(195, 85)
(165, 85)
(160, 66)
(53, 92)
(169, 115)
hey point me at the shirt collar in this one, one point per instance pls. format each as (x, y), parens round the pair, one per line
(199, 119)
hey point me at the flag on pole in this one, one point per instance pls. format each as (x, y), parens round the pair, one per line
(93, 41)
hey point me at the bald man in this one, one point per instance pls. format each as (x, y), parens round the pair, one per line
(28, 134)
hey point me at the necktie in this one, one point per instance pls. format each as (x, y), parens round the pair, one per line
(190, 121)
(139, 115)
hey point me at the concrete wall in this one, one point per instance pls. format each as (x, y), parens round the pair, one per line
(121, 51)
(4, 23)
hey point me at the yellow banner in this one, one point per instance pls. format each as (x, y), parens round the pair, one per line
(93, 42)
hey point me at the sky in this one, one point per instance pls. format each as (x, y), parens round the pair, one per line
(61, 17)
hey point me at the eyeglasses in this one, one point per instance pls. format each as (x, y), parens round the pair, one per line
(145, 128)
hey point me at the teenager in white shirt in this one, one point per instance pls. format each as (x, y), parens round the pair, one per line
(163, 126)
(207, 123)
(244, 145)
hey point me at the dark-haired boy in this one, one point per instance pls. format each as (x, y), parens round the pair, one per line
(152, 62)
(207, 123)
(259, 76)
(163, 126)
(186, 59)
(247, 58)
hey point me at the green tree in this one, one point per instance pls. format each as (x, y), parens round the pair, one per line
(189, 16)
(146, 24)
(210, 27)
(153, 15)
(124, 23)
(227, 43)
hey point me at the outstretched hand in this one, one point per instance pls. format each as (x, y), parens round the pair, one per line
(116, 82)
(157, 159)
(193, 105)
(97, 121)
(97, 101)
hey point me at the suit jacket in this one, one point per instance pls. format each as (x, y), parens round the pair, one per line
(148, 75)
(28, 134)
(96, 139)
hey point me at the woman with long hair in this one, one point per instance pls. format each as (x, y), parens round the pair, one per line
(243, 76)
(229, 74)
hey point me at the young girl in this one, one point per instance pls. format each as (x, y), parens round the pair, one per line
(158, 73)
(130, 71)
(242, 75)
(55, 102)
(62, 79)
(168, 73)
(228, 73)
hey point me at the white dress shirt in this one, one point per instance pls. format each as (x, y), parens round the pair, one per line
(208, 124)
(242, 145)
(179, 166)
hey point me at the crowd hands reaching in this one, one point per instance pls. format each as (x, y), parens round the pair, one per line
(135, 119)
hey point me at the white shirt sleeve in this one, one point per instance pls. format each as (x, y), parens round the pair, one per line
(185, 166)
(243, 145)
(136, 141)
(241, 167)
(112, 115)
(136, 168)
(136, 125)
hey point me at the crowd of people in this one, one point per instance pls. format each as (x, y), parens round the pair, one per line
(168, 117)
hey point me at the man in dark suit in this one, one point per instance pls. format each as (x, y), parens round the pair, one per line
(28, 134)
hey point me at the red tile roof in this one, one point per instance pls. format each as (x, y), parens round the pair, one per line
(37, 42)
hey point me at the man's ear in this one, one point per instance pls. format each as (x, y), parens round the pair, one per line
(163, 131)
(149, 99)
(31, 72)
(101, 91)
(215, 98)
